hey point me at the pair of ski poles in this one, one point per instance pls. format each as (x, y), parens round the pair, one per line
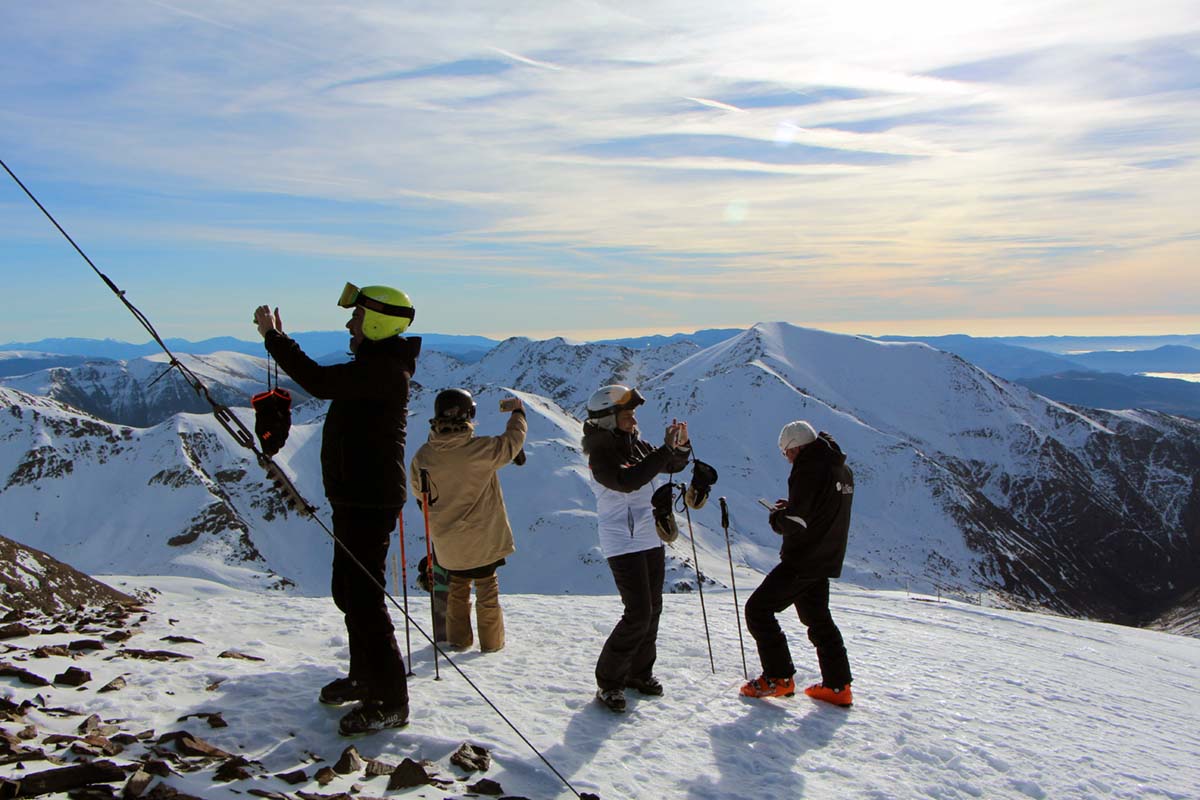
(700, 582)
(424, 474)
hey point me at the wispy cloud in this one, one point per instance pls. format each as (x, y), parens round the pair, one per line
(533, 62)
(872, 158)
(715, 104)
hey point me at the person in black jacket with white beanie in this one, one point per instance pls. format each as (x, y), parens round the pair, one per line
(814, 522)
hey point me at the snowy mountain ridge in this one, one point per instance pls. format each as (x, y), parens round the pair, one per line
(967, 484)
(145, 391)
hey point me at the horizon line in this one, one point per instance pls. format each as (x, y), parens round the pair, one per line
(1036, 329)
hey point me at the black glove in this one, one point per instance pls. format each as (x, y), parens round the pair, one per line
(272, 418)
(703, 477)
(440, 577)
(423, 573)
(664, 518)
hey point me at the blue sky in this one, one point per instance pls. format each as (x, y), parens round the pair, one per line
(595, 169)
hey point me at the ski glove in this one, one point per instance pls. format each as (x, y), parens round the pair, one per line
(784, 523)
(703, 477)
(664, 518)
(441, 578)
(272, 419)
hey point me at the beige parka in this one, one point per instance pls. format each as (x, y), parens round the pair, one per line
(468, 521)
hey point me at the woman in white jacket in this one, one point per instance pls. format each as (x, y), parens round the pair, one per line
(624, 467)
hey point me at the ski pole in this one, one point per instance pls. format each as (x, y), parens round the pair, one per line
(404, 583)
(437, 676)
(699, 582)
(736, 609)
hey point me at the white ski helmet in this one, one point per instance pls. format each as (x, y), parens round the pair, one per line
(605, 402)
(796, 434)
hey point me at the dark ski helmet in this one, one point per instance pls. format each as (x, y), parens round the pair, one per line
(387, 312)
(605, 402)
(453, 405)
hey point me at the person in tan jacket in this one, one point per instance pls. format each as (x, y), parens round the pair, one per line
(468, 521)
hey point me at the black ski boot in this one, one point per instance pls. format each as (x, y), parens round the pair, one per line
(342, 690)
(612, 699)
(373, 715)
(648, 686)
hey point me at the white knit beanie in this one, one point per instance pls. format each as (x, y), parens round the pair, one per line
(796, 434)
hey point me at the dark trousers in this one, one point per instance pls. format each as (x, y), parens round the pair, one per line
(632, 647)
(810, 596)
(374, 656)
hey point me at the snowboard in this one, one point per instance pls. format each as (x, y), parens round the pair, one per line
(441, 591)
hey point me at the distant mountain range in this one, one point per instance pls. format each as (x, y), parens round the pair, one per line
(319, 344)
(703, 338)
(967, 484)
(1114, 391)
(1102, 379)
(141, 392)
(1110, 379)
(1168, 358)
(1067, 345)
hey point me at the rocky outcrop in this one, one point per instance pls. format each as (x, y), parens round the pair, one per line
(31, 580)
(48, 749)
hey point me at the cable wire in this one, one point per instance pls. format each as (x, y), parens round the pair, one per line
(275, 473)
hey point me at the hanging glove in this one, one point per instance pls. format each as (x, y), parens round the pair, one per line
(703, 477)
(664, 517)
(272, 419)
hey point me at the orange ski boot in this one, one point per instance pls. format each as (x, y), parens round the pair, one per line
(839, 697)
(769, 687)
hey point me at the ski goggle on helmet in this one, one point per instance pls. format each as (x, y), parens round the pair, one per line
(386, 311)
(605, 402)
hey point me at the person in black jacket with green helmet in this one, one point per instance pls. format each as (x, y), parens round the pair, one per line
(362, 466)
(814, 522)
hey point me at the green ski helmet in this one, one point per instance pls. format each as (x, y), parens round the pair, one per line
(387, 312)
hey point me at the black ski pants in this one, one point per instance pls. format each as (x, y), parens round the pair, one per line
(632, 647)
(374, 656)
(810, 596)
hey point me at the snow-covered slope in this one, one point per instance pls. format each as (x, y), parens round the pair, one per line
(951, 702)
(174, 498)
(1008, 361)
(967, 484)
(552, 368)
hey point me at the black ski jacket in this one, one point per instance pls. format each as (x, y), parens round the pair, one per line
(362, 443)
(816, 521)
(624, 463)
